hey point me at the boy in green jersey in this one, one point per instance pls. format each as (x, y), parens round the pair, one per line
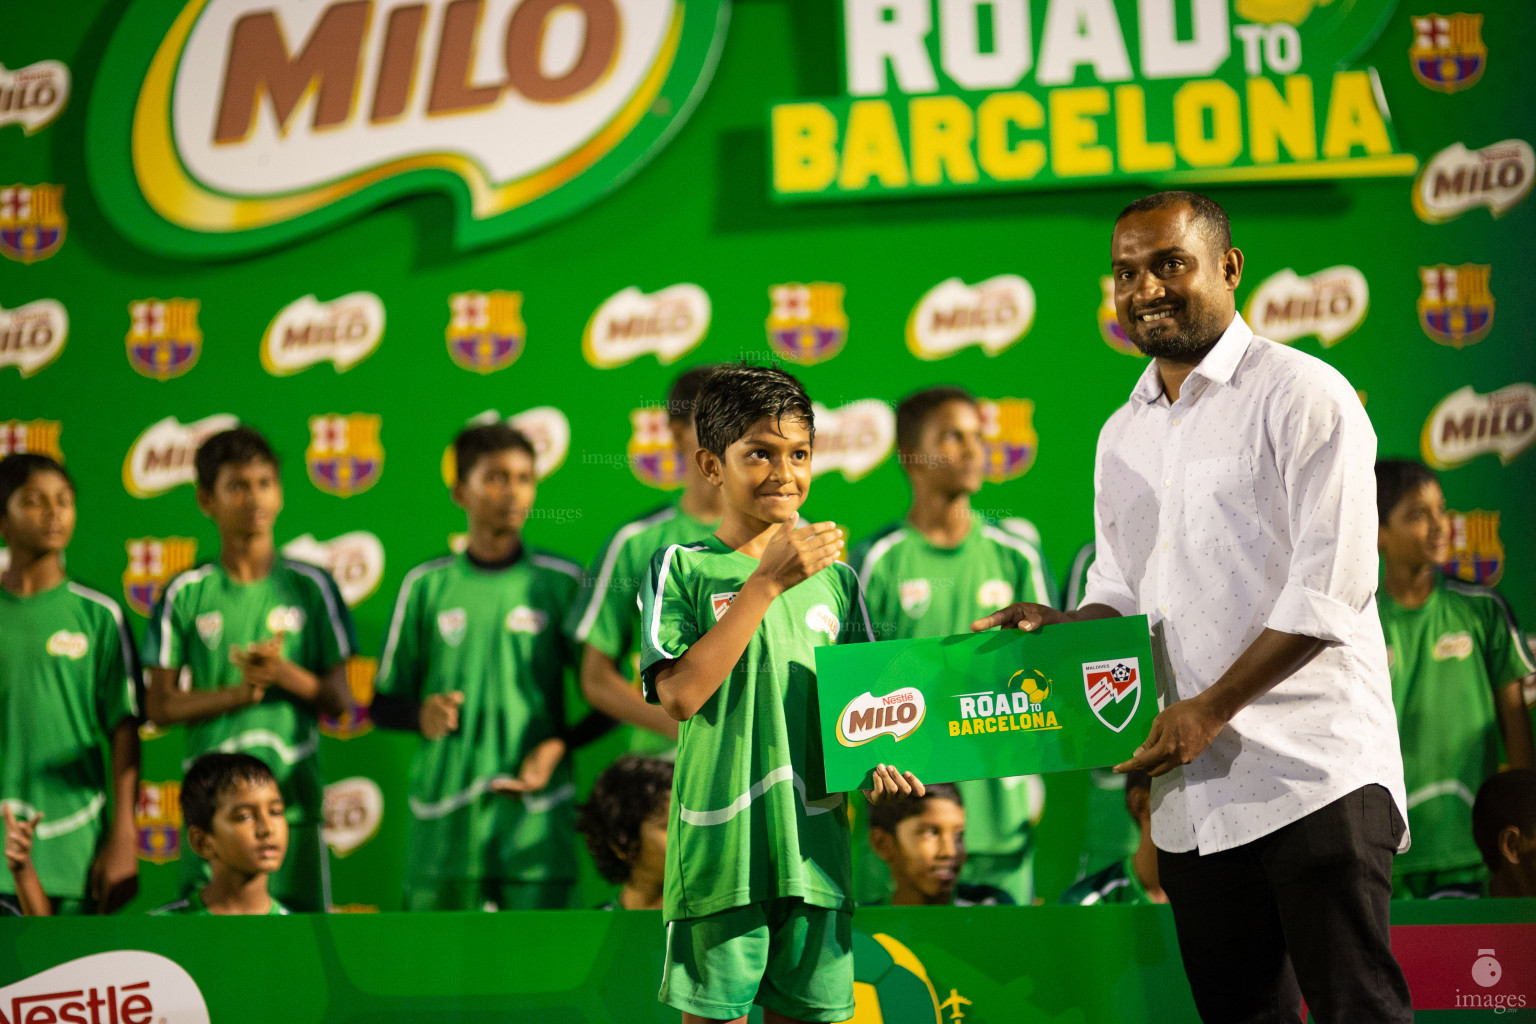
(1457, 665)
(236, 822)
(757, 892)
(475, 662)
(922, 840)
(68, 692)
(1133, 879)
(933, 574)
(604, 622)
(624, 823)
(250, 649)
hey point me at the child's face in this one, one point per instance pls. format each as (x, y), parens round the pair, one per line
(40, 517)
(245, 498)
(498, 491)
(929, 849)
(651, 858)
(949, 456)
(1417, 531)
(249, 834)
(766, 474)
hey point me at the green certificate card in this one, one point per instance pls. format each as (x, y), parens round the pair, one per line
(986, 705)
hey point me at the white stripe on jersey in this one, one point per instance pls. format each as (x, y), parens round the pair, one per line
(1513, 628)
(1445, 787)
(262, 738)
(167, 599)
(661, 588)
(320, 579)
(877, 552)
(1029, 551)
(130, 653)
(534, 803)
(84, 816)
(858, 592)
(785, 773)
(1076, 579)
(558, 564)
(398, 619)
(605, 571)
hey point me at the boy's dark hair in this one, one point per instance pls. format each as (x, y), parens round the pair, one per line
(914, 410)
(236, 446)
(210, 777)
(737, 395)
(626, 793)
(683, 395)
(1208, 214)
(1505, 799)
(1395, 480)
(487, 439)
(18, 468)
(892, 811)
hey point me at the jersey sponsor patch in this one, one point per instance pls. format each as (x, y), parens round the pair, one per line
(1109, 685)
(721, 603)
(915, 596)
(286, 619)
(821, 619)
(450, 626)
(210, 626)
(994, 593)
(66, 644)
(896, 714)
(523, 619)
(352, 813)
(1457, 646)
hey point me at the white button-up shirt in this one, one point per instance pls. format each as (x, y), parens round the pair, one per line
(1250, 503)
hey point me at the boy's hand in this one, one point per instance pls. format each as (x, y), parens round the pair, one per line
(114, 877)
(18, 838)
(1025, 615)
(440, 714)
(536, 769)
(794, 556)
(891, 782)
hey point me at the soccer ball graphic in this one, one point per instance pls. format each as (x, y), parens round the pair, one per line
(1120, 673)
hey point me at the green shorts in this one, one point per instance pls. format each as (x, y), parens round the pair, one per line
(785, 955)
(487, 894)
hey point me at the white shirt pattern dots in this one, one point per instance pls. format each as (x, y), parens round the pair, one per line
(1251, 503)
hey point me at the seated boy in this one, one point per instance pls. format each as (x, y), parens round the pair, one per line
(250, 649)
(236, 822)
(1134, 879)
(68, 702)
(1504, 828)
(757, 892)
(1457, 665)
(624, 822)
(475, 662)
(922, 840)
(30, 899)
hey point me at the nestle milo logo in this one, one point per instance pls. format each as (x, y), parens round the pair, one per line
(897, 714)
(127, 986)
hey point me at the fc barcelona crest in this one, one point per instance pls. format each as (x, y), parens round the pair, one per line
(163, 337)
(40, 437)
(158, 820)
(152, 561)
(1448, 54)
(1008, 437)
(1456, 305)
(354, 722)
(345, 456)
(1476, 554)
(486, 332)
(1109, 321)
(653, 456)
(1113, 689)
(32, 221)
(806, 322)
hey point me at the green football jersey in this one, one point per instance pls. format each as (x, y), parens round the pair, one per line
(68, 676)
(607, 615)
(1117, 883)
(1447, 659)
(1076, 584)
(495, 636)
(193, 906)
(747, 823)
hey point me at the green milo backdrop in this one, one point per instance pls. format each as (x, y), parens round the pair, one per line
(357, 226)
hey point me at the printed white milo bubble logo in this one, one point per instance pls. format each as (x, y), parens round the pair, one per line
(1466, 424)
(355, 560)
(852, 439)
(896, 714)
(821, 619)
(668, 324)
(161, 457)
(1456, 179)
(33, 335)
(1328, 305)
(544, 425)
(993, 314)
(33, 96)
(129, 986)
(353, 812)
(344, 331)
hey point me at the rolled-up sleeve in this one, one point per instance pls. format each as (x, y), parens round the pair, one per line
(1105, 583)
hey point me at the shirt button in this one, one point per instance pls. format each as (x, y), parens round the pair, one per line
(1168, 482)
(1165, 545)
(1164, 609)
(1176, 421)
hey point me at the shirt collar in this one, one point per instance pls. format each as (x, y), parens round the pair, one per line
(1217, 367)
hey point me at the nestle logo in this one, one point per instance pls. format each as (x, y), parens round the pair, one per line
(70, 1007)
(146, 988)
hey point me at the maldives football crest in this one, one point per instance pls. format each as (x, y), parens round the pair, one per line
(806, 322)
(654, 456)
(486, 332)
(163, 337)
(1476, 554)
(345, 456)
(32, 221)
(1448, 54)
(152, 561)
(1456, 305)
(1113, 689)
(1008, 437)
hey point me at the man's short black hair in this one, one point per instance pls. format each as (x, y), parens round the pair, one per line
(236, 446)
(683, 395)
(892, 811)
(1208, 214)
(213, 775)
(487, 439)
(737, 395)
(1505, 799)
(915, 409)
(626, 793)
(16, 469)
(1396, 479)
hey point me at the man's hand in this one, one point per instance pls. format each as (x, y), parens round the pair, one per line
(794, 556)
(1025, 615)
(18, 838)
(891, 782)
(440, 714)
(114, 876)
(536, 769)
(1179, 734)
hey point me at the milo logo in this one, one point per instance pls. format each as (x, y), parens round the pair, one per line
(897, 714)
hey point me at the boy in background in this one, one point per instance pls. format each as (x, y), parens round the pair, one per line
(475, 662)
(624, 823)
(933, 574)
(1457, 665)
(1504, 828)
(236, 823)
(604, 622)
(758, 889)
(922, 840)
(69, 678)
(250, 649)
(1132, 880)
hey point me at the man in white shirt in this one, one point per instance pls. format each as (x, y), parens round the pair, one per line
(1235, 507)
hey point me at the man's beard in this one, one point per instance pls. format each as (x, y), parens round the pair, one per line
(1181, 344)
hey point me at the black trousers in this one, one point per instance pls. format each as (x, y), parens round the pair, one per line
(1301, 912)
